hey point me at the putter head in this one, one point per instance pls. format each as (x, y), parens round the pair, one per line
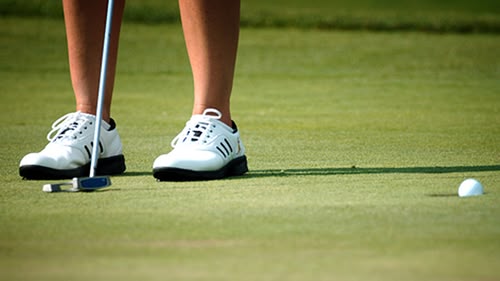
(56, 187)
(91, 183)
(79, 184)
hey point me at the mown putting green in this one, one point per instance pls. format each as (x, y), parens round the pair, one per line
(357, 143)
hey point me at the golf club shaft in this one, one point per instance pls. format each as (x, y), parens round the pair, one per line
(102, 88)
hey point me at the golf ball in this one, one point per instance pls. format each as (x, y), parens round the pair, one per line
(470, 187)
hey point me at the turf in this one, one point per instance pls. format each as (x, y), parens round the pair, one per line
(455, 16)
(357, 142)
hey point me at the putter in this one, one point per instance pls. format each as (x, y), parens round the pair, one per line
(79, 184)
(93, 182)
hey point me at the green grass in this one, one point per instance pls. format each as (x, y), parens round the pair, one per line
(357, 142)
(452, 16)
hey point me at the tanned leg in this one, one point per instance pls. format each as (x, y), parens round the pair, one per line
(85, 23)
(211, 31)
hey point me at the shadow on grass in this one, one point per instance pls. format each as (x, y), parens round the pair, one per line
(346, 171)
(373, 170)
(136, 174)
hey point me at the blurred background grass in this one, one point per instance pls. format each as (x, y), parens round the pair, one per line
(427, 15)
(311, 105)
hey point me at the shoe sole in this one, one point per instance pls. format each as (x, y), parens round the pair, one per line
(105, 166)
(236, 167)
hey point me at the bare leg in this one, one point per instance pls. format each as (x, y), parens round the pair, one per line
(85, 21)
(211, 31)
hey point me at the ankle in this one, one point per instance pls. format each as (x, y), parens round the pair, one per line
(91, 110)
(225, 118)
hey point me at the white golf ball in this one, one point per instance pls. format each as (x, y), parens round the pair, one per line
(470, 187)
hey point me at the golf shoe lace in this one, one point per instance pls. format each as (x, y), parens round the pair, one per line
(68, 127)
(198, 129)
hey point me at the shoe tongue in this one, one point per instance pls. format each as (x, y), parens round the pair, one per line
(197, 130)
(70, 127)
(72, 123)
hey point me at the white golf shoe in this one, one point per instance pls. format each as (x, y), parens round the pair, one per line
(206, 149)
(69, 150)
